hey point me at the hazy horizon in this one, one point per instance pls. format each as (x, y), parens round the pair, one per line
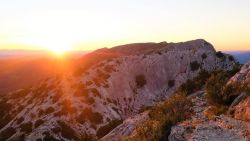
(89, 25)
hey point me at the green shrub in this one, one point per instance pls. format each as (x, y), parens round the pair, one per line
(162, 117)
(231, 58)
(19, 120)
(89, 100)
(81, 118)
(194, 66)
(218, 92)
(109, 68)
(104, 130)
(102, 76)
(41, 112)
(88, 114)
(38, 123)
(95, 92)
(140, 80)
(86, 137)
(7, 133)
(204, 56)
(215, 110)
(171, 83)
(144, 108)
(26, 127)
(67, 132)
(191, 86)
(159, 52)
(219, 54)
(88, 83)
(214, 87)
(230, 92)
(5, 117)
(49, 110)
(49, 137)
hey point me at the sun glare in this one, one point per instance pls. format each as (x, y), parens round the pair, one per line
(57, 50)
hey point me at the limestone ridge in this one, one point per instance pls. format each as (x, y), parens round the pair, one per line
(112, 88)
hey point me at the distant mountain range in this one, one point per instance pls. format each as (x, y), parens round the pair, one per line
(242, 56)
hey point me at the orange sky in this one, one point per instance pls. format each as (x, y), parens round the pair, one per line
(62, 25)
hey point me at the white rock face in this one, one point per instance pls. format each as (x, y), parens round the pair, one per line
(65, 107)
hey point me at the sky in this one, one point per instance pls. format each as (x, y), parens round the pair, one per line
(91, 24)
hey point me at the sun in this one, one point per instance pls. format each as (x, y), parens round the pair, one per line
(58, 49)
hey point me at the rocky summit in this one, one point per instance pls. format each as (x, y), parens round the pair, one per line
(104, 95)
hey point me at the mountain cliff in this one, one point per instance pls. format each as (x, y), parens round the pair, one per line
(107, 88)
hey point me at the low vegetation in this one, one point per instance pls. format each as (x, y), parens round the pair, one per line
(204, 56)
(5, 117)
(49, 110)
(67, 132)
(26, 127)
(219, 54)
(215, 110)
(217, 90)
(195, 84)
(88, 114)
(231, 58)
(140, 80)
(171, 83)
(38, 123)
(162, 117)
(20, 120)
(194, 66)
(87, 137)
(104, 130)
(7, 133)
(48, 137)
(177, 108)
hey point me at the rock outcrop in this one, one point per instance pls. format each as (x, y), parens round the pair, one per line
(241, 110)
(220, 128)
(242, 77)
(201, 128)
(111, 87)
